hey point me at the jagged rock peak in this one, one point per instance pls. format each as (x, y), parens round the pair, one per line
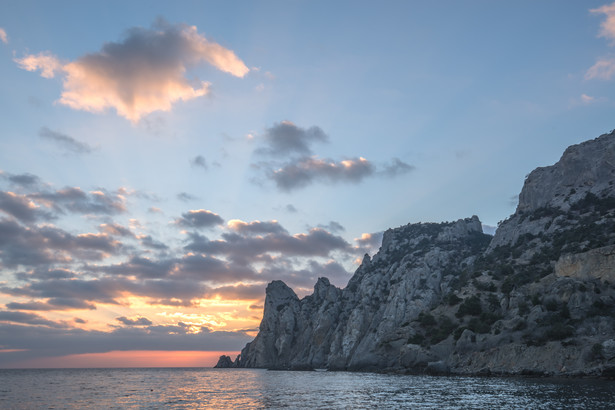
(278, 293)
(583, 168)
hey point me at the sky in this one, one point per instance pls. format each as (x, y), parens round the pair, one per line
(160, 162)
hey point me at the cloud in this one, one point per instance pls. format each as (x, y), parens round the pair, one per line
(286, 138)
(186, 197)
(115, 230)
(26, 318)
(333, 227)
(3, 37)
(141, 321)
(66, 142)
(46, 62)
(317, 242)
(74, 199)
(22, 208)
(199, 218)
(604, 69)
(24, 180)
(34, 246)
(607, 27)
(239, 292)
(142, 73)
(307, 170)
(290, 208)
(149, 242)
(255, 227)
(370, 239)
(199, 161)
(396, 167)
(586, 99)
(54, 304)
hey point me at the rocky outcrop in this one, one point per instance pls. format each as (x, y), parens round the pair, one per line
(225, 362)
(594, 264)
(537, 298)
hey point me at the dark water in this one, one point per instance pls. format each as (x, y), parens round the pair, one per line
(249, 389)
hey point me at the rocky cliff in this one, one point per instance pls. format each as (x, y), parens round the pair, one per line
(537, 298)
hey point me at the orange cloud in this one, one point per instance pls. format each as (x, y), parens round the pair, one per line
(3, 37)
(604, 69)
(607, 27)
(142, 74)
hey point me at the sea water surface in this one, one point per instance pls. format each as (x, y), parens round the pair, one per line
(193, 388)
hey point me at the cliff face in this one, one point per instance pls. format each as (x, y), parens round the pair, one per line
(537, 298)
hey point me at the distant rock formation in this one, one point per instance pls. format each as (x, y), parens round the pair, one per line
(225, 362)
(537, 298)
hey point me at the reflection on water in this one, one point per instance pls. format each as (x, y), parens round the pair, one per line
(253, 388)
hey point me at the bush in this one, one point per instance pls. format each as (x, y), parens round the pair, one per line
(445, 328)
(478, 326)
(416, 339)
(597, 351)
(452, 299)
(426, 320)
(559, 331)
(470, 306)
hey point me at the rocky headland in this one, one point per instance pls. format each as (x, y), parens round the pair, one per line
(537, 298)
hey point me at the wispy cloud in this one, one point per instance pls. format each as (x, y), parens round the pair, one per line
(3, 37)
(607, 27)
(65, 141)
(142, 73)
(604, 69)
(199, 161)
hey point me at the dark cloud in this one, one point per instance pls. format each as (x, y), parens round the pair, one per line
(26, 318)
(142, 321)
(22, 208)
(291, 208)
(115, 230)
(149, 242)
(73, 199)
(199, 218)
(241, 249)
(285, 138)
(304, 172)
(47, 244)
(256, 227)
(199, 161)
(25, 180)
(45, 273)
(239, 292)
(52, 304)
(140, 267)
(396, 167)
(208, 268)
(307, 276)
(65, 141)
(186, 197)
(333, 227)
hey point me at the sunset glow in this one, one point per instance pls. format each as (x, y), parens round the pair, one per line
(161, 164)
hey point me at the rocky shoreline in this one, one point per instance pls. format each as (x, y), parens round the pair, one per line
(536, 299)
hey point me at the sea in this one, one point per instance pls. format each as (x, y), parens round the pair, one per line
(196, 388)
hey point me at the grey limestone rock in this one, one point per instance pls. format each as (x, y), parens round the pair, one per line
(446, 298)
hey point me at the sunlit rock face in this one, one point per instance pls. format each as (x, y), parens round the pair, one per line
(537, 298)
